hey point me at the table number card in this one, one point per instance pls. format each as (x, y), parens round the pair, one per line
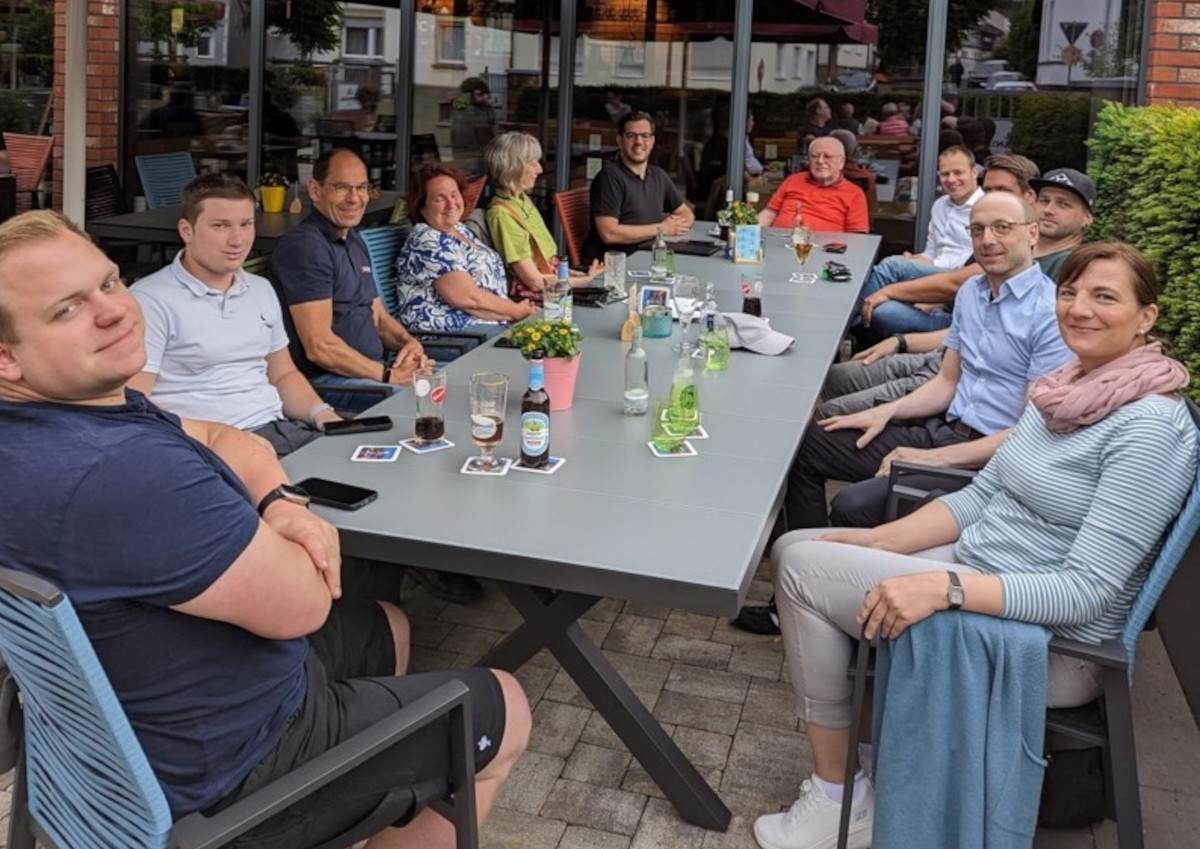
(747, 243)
(771, 151)
(594, 141)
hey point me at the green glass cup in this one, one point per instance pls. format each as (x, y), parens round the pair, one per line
(665, 436)
(716, 349)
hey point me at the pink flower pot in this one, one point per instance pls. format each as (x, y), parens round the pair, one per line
(560, 381)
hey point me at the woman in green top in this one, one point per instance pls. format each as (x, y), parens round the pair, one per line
(518, 232)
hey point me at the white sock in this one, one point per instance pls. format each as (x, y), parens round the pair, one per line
(834, 791)
(866, 758)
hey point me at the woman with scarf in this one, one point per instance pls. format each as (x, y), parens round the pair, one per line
(1055, 530)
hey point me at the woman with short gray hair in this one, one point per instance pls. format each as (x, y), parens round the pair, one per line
(517, 229)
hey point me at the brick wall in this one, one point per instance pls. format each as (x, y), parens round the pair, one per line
(1173, 67)
(103, 74)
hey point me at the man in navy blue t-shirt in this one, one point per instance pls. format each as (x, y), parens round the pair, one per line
(217, 623)
(340, 332)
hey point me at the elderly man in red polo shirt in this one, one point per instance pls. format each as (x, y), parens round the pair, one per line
(827, 199)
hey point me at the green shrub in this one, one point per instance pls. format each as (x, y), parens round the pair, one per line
(1146, 166)
(1051, 129)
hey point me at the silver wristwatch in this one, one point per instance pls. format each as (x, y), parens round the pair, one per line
(955, 594)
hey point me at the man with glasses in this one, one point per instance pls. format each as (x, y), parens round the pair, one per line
(827, 200)
(632, 199)
(1002, 337)
(340, 333)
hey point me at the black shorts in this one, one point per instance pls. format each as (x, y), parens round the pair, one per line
(350, 687)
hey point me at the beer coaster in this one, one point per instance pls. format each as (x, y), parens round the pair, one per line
(698, 433)
(554, 464)
(685, 449)
(502, 466)
(375, 453)
(426, 447)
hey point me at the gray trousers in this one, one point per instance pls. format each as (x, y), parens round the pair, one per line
(852, 387)
(819, 587)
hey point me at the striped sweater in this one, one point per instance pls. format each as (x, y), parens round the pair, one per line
(1067, 520)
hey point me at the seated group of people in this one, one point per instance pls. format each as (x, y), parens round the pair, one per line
(1008, 346)
(191, 560)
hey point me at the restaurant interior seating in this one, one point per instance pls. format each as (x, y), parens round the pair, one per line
(28, 157)
(164, 176)
(575, 212)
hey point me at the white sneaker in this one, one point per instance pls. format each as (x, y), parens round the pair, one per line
(812, 821)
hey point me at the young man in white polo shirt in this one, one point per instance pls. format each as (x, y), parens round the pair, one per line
(215, 341)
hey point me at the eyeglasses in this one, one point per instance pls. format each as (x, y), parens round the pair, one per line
(635, 136)
(343, 189)
(825, 157)
(999, 228)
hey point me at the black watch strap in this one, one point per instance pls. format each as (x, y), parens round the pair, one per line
(901, 343)
(955, 595)
(287, 492)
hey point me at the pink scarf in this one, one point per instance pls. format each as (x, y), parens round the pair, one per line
(1069, 398)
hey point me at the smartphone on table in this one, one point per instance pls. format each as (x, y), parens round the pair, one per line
(362, 425)
(335, 494)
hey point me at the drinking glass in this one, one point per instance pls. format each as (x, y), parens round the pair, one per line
(663, 434)
(429, 388)
(489, 397)
(685, 295)
(802, 244)
(614, 271)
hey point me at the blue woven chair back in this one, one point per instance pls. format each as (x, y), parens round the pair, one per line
(1175, 545)
(89, 781)
(384, 244)
(163, 177)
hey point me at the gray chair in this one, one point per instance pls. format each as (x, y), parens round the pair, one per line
(1170, 585)
(163, 177)
(83, 779)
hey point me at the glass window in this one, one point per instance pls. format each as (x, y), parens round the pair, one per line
(452, 42)
(631, 61)
(364, 40)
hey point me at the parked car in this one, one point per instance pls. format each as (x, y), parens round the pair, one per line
(978, 76)
(1009, 81)
(853, 81)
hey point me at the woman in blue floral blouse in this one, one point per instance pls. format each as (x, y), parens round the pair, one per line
(448, 279)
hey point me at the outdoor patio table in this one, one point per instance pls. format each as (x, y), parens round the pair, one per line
(613, 521)
(161, 226)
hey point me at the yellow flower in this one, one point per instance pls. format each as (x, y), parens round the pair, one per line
(528, 349)
(535, 336)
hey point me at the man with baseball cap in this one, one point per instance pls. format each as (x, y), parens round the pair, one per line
(1065, 202)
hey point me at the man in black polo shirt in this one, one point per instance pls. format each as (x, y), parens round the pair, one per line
(632, 199)
(339, 330)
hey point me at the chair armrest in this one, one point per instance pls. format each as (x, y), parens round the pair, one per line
(196, 831)
(1109, 653)
(898, 491)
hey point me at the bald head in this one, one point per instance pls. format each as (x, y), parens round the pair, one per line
(826, 157)
(1004, 232)
(1015, 208)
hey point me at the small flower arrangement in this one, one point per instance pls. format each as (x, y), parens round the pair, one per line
(272, 178)
(737, 213)
(552, 338)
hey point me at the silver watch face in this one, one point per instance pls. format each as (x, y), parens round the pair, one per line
(294, 494)
(956, 596)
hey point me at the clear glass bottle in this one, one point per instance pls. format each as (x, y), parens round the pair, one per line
(563, 284)
(637, 377)
(658, 257)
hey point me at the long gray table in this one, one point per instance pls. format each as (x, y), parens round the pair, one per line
(614, 521)
(161, 226)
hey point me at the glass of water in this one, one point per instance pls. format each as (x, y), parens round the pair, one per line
(614, 271)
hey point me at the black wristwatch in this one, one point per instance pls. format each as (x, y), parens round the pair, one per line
(901, 343)
(289, 493)
(954, 595)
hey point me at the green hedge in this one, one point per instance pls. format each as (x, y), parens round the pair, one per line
(1051, 129)
(1146, 166)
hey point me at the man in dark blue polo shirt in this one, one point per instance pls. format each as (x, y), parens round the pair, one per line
(632, 199)
(340, 332)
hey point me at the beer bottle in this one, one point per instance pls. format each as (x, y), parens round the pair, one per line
(535, 417)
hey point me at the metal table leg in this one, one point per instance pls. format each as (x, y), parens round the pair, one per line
(550, 622)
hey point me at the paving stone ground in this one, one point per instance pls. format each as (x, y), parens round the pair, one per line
(719, 694)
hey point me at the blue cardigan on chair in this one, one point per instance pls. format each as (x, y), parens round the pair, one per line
(960, 722)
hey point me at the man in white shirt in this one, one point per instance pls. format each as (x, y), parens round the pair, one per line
(947, 246)
(215, 341)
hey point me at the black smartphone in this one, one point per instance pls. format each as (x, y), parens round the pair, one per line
(504, 342)
(358, 425)
(835, 247)
(334, 494)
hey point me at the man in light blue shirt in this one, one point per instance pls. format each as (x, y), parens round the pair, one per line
(1003, 336)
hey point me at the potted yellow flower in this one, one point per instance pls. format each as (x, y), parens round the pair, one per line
(558, 342)
(273, 186)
